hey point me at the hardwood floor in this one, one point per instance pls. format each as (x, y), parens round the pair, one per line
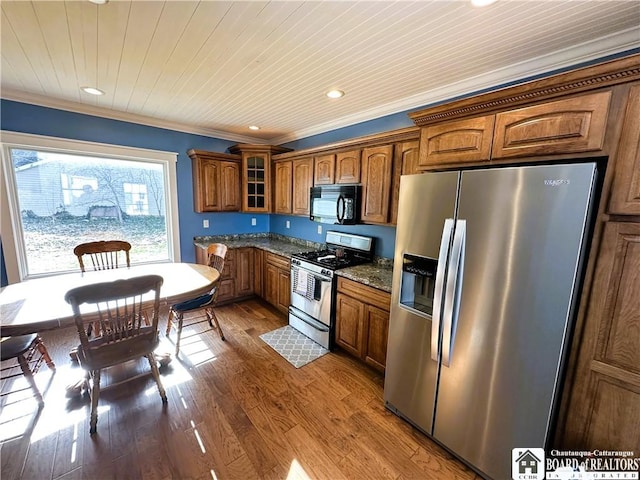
(237, 410)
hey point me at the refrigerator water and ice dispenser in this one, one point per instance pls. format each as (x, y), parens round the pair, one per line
(418, 283)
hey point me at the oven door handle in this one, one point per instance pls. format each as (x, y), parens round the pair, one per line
(309, 320)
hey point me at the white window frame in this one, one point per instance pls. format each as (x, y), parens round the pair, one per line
(10, 221)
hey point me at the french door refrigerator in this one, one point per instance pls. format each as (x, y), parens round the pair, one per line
(486, 270)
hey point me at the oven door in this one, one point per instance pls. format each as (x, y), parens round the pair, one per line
(310, 327)
(311, 294)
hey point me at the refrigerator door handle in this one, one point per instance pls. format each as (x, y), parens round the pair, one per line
(445, 243)
(453, 291)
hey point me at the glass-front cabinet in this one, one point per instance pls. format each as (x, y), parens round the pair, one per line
(256, 175)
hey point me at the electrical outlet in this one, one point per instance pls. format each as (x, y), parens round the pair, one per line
(205, 223)
(319, 229)
(253, 222)
(288, 224)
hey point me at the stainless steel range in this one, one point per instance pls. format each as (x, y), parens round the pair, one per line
(313, 284)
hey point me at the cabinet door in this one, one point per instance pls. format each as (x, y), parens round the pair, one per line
(573, 125)
(625, 194)
(208, 191)
(349, 324)
(302, 181)
(258, 272)
(376, 183)
(256, 182)
(377, 331)
(405, 162)
(283, 187)
(284, 290)
(229, 187)
(227, 287)
(605, 399)
(244, 271)
(271, 283)
(324, 170)
(461, 141)
(348, 167)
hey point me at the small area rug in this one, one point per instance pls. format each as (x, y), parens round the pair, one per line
(297, 349)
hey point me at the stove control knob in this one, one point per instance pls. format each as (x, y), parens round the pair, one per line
(295, 262)
(326, 272)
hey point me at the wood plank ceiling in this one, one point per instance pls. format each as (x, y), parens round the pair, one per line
(215, 67)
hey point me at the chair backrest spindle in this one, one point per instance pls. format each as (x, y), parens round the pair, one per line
(104, 254)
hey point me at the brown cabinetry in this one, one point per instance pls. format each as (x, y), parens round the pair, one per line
(405, 162)
(625, 198)
(362, 321)
(238, 275)
(324, 169)
(256, 175)
(571, 125)
(293, 180)
(258, 272)
(606, 412)
(348, 167)
(376, 183)
(277, 286)
(283, 184)
(462, 141)
(302, 181)
(216, 181)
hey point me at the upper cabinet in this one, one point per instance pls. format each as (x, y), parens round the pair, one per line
(348, 167)
(292, 181)
(216, 181)
(625, 197)
(575, 124)
(256, 175)
(466, 140)
(324, 169)
(405, 162)
(302, 182)
(376, 183)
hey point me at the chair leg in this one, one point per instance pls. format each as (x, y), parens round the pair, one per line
(169, 317)
(26, 371)
(95, 395)
(45, 353)
(156, 377)
(180, 318)
(212, 316)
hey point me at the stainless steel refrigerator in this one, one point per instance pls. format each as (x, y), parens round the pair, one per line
(486, 270)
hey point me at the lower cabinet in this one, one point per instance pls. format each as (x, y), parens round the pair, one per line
(277, 283)
(362, 322)
(237, 278)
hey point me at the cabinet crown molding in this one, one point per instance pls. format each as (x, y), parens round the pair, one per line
(606, 74)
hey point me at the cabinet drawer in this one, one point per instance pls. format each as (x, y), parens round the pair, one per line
(277, 260)
(576, 124)
(365, 293)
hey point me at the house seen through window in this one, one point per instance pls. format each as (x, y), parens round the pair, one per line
(63, 199)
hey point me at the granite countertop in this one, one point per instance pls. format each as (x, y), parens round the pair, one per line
(377, 274)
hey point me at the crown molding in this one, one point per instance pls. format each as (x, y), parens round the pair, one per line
(59, 104)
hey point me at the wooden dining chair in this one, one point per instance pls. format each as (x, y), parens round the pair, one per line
(23, 355)
(203, 304)
(104, 254)
(118, 308)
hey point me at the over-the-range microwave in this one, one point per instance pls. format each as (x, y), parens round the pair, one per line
(337, 204)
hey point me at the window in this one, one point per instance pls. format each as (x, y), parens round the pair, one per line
(61, 193)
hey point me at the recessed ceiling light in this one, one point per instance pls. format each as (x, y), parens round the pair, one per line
(92, 90)
(99, 2)
(335, 93)
(254, 127)
(482, 3)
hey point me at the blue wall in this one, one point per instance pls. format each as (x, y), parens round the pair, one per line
(302, 227)
(25, 118)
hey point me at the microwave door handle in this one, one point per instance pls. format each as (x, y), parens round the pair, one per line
(443, 257)
(340, 203)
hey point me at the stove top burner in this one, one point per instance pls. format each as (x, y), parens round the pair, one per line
(328, 258)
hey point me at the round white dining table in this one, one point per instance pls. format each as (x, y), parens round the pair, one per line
(38, 304)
